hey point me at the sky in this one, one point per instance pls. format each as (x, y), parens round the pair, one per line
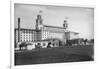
(80, 19)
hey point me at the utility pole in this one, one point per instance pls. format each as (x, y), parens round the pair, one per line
(18, 29)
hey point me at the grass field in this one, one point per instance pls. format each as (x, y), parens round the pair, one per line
(54, 55)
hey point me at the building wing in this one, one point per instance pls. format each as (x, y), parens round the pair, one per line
(54, 29)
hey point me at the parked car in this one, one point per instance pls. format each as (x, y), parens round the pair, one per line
(25, 45)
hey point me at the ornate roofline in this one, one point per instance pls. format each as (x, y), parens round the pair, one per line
(53, 26)
(26, 29)
(72, 32)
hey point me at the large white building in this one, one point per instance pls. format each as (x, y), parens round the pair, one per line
(49, 31)
(42, 32)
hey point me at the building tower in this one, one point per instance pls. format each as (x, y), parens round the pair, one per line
(39, 26)
(39, 21)
(66, 34)
(65, 24)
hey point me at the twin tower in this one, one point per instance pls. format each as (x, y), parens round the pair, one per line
(39, 22)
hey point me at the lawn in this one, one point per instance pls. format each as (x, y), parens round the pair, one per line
(54, 55)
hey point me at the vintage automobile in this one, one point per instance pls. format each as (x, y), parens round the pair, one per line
(25, 45)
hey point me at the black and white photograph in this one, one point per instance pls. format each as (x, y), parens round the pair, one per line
(45, 34)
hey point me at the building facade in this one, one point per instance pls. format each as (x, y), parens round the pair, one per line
(47, 32)
(42, 32)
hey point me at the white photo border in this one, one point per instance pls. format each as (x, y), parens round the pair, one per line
(12, 31)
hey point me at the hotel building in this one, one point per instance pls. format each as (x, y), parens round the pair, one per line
(42, 32)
